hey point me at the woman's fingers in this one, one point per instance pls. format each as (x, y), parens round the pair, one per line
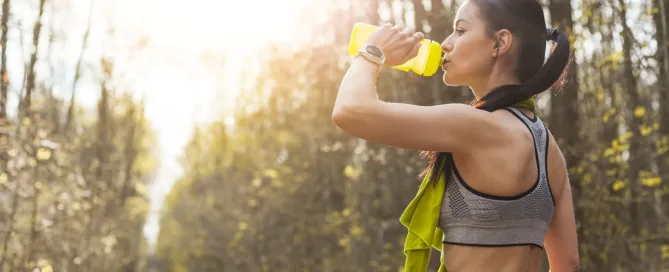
(399, 44)
(381, 36)
(419, 36)
(400, 38)
(413, 52)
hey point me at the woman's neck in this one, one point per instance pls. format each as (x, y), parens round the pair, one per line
(493, 81)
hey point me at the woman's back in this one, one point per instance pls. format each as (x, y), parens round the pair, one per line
(498, 204)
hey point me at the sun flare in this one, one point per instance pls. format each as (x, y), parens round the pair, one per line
(226, 25)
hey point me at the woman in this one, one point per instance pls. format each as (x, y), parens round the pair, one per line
(507, 193)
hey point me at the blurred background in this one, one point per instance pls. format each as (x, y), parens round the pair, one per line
(164, 135)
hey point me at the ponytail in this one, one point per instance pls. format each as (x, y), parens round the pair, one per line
(552, 74)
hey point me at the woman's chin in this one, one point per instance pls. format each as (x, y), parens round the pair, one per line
(449, 80)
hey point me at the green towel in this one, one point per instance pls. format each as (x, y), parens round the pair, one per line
(422, 216)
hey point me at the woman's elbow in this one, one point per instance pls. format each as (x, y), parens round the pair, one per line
(351, 119)
(343, 117)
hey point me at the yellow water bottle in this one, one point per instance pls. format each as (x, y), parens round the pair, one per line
(426, 63)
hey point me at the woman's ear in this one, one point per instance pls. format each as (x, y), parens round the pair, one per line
(503, 41)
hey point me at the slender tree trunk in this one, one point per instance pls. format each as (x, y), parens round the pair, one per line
(131, 149)
(10, 225)
(4, 80)
(419, 15)
(662, 36)
(372, 13)
(77, 72)
(33, 221)
(638, 160)
(102, 151)
(30, 84)
(565, 117)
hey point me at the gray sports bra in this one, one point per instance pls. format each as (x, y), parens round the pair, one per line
(473, 218)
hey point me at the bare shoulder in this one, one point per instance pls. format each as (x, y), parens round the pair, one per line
(515, 141)
(557, 167)
(513, 128)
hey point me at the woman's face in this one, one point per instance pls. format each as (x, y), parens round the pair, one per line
(468, 55)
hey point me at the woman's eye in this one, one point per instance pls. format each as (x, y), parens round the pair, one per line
(459, 31)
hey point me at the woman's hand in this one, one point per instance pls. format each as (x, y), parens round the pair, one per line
(398, 45)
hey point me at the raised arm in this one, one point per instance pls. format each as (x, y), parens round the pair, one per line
(448, 128)
(561, 242)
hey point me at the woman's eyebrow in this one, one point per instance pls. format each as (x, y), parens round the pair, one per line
(458, 21)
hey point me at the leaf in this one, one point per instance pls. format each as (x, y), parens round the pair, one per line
(645, 130)
(356, 231)
(651, 182)
(352, 172)
(587, 179)
(271, 173)
(256, 182)
(618, 185)
(43, 154)
(639, 112)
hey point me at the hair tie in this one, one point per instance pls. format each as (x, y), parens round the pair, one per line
(551, 34)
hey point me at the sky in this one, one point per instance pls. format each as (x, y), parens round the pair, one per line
(187, 71)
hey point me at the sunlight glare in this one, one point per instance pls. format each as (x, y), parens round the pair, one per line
(226, 25)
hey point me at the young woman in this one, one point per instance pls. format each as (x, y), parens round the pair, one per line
(507, 194)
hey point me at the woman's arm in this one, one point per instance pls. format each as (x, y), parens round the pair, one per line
(561, 242)
(450, 127)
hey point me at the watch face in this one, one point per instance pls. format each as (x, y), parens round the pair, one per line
(374, 51)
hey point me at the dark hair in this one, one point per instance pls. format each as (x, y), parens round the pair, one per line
(525, 20)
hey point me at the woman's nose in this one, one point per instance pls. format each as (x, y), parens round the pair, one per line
(446, 46)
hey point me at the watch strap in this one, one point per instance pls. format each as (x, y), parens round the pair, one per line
(370, 57)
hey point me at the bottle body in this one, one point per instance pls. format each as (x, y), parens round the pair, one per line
(426, 63)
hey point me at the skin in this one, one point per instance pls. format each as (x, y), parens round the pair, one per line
(493, 151)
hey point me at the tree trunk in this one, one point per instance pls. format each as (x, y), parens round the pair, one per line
(419, 14)
(10, 225)
(33, 221)
(638, 160)
(4, 80)
(372, 13)
(662, 37)
(77, 72)
(30, 84)
(564, 113)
